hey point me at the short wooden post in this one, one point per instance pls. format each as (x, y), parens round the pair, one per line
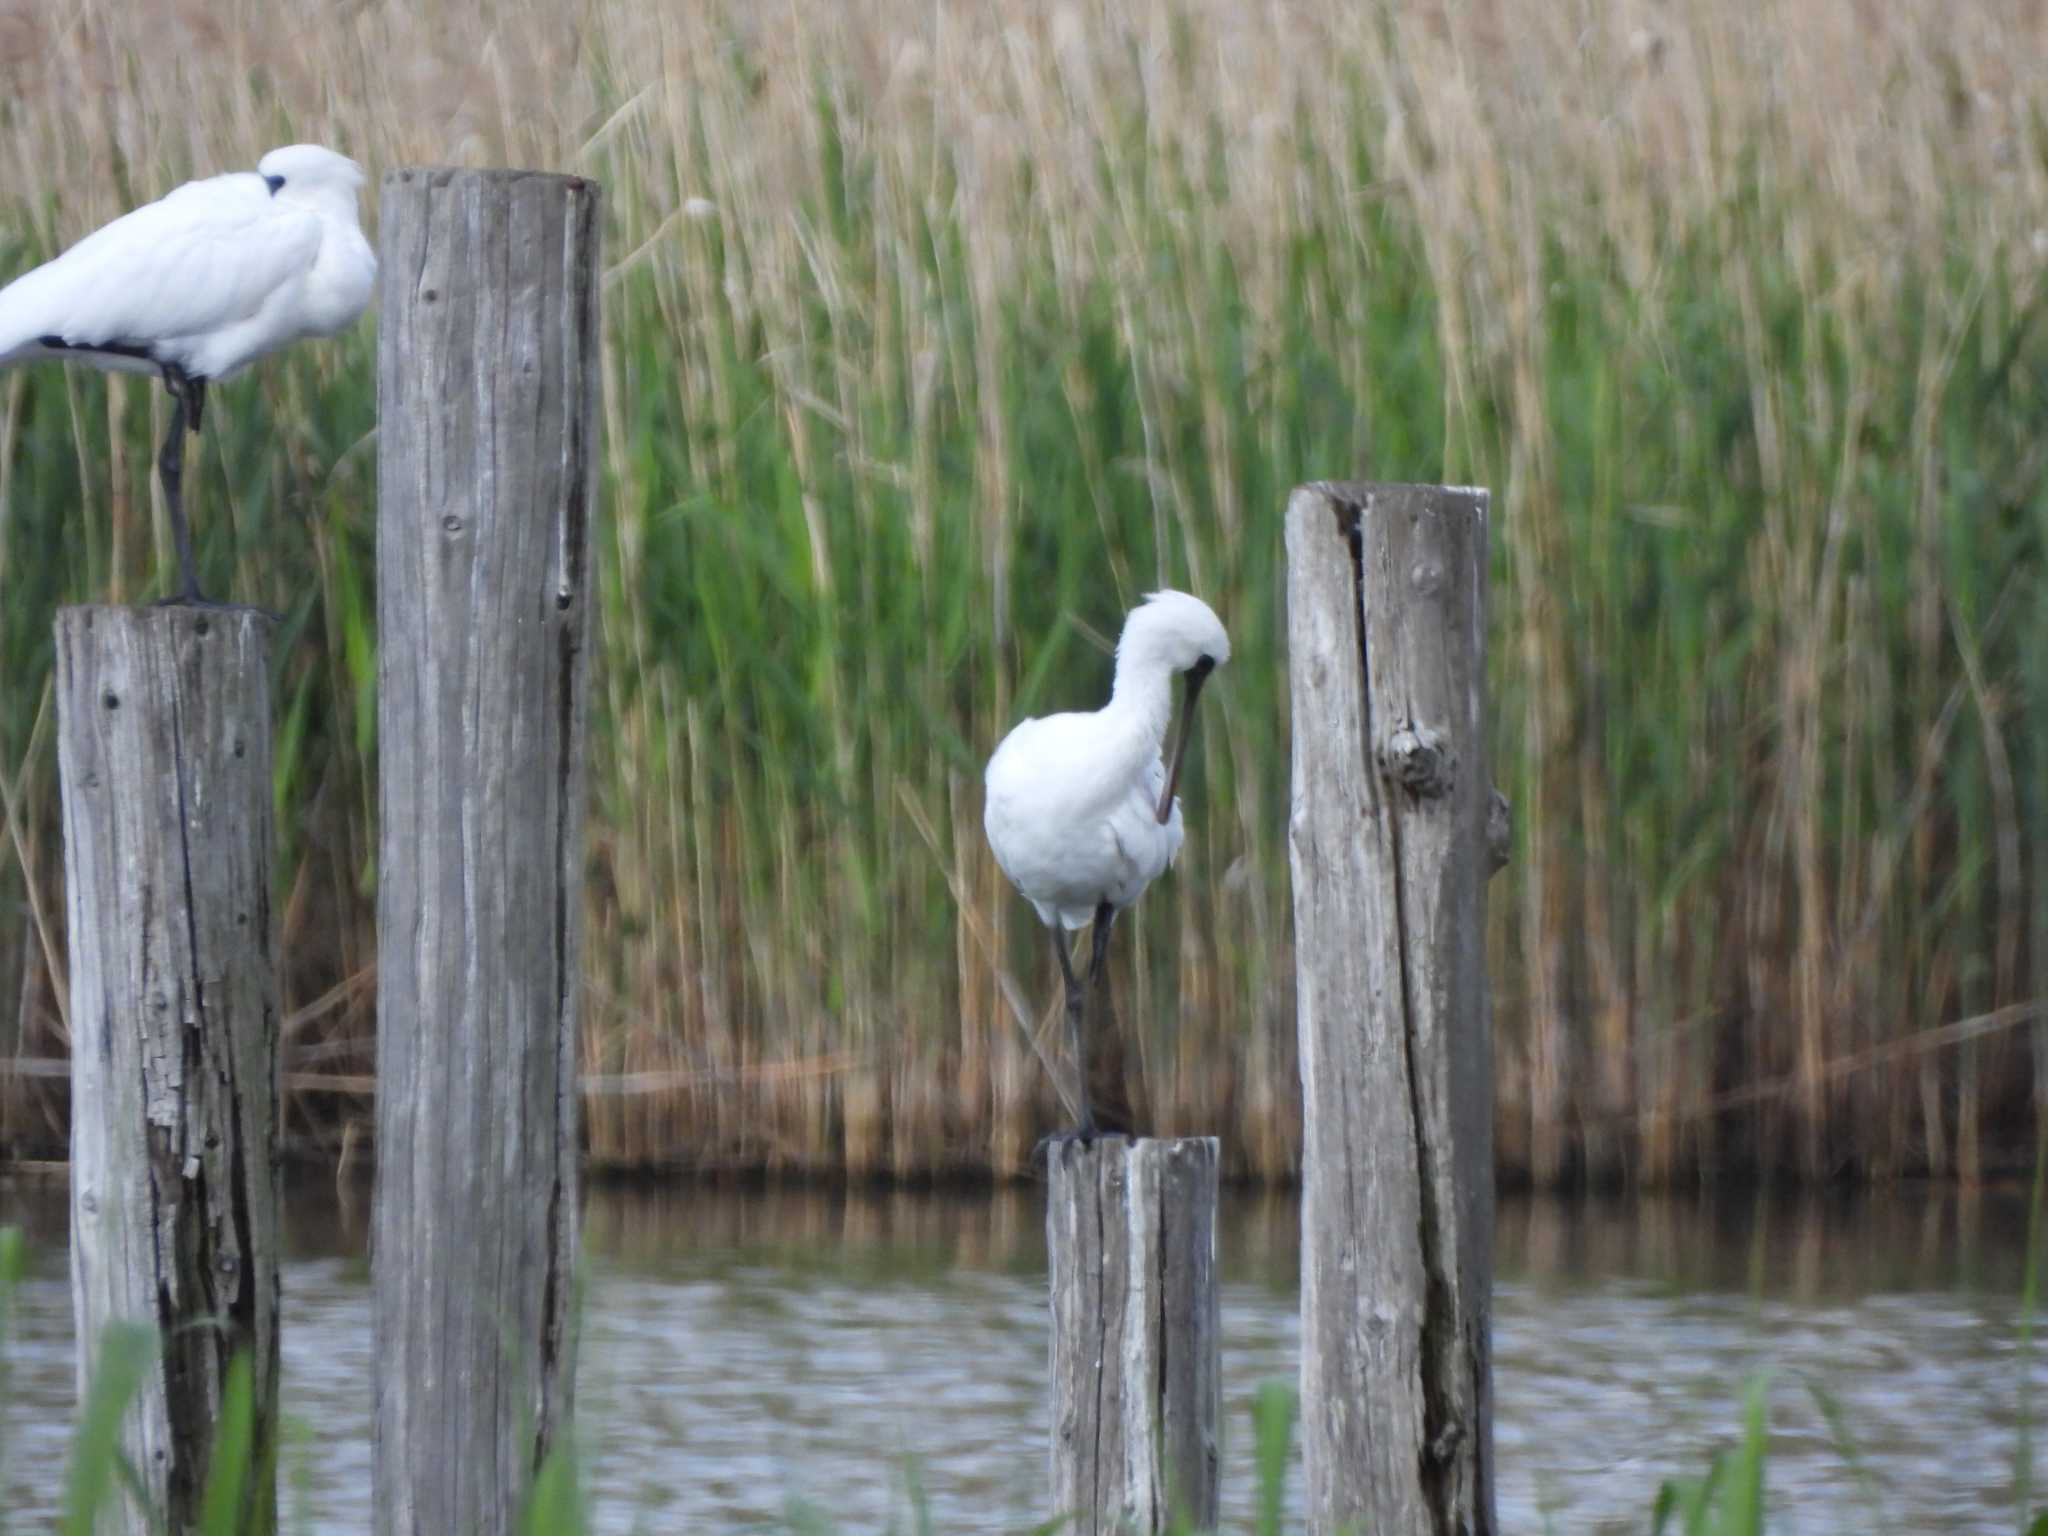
(487, 393)
(1386, 600)
(163, 752)
(1136, 1387)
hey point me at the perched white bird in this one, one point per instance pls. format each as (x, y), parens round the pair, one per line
(1080, 810)
(197, 285)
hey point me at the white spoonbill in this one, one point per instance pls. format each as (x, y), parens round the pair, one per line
(197, 285)
(1081, 811)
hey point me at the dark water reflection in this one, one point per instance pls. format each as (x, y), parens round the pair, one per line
(746, 1349)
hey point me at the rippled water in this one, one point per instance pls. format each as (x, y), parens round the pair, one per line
(748, 1348)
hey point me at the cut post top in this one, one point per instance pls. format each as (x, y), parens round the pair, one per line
(491, 176)
(1359, 493)
(199, 620)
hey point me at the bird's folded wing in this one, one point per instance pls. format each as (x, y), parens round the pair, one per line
(1063, 766)
(204, 257)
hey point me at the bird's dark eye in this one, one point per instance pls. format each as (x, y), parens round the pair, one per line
(1205, 666)
(275, 183)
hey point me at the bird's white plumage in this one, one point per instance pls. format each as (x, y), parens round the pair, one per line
(1066, 838)
(1072, 800)
(208, 278)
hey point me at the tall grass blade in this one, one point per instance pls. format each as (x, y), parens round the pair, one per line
(1273, 1415)
(99, 1469)
(232, 1468)
(13, 1271)
(554, 1505)
(2030, 1293)
(1742, 1507)
(1845, 1446)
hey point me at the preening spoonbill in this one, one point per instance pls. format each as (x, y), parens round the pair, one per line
(197, 285)
(1080, 809)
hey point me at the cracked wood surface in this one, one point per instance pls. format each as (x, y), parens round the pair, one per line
(1136, 1386)
(163, 750)
(1391, 847)
(487, 402)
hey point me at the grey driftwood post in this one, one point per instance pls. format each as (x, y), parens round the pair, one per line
(1391, 848)
(487, 393)
(1136, 1387)
(163, 752)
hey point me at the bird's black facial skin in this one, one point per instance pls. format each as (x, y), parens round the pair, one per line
(275, 183)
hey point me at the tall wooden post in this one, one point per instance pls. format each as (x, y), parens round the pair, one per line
(487, 392)
(163, 750)
(1136, 1386)
(1386, 609)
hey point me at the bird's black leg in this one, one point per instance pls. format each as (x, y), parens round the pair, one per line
(1098, 946)
(188, 407)
(1077, 1003)
(170, 469)
(1098, 955)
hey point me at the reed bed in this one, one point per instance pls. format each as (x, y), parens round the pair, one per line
(937, 334)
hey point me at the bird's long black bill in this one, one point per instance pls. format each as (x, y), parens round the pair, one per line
(1196, 676)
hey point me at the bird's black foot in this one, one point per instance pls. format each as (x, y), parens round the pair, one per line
(212, 605)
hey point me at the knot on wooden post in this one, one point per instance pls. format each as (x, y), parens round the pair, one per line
(1421, 759)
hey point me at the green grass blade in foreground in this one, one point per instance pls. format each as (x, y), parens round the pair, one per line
(555, 1506)
(2030, 1291)
(804, 1520)
(1273, 1413)
(126, 1353)
(228, 1483)
(13, 1269)
(1742, 1513)
(1845, 1446)
(295, 1459)
(1729, 1500)
(1688, 1500)
(920, 1501)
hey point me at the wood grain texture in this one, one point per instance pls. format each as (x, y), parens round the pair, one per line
(163, 750)
(1390, 852)
(1136, 1386)
(487, 399)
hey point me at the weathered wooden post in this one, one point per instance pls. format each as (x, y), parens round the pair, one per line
(163, 751)
(1390, 844)
(1136, 1387)
(487, 392)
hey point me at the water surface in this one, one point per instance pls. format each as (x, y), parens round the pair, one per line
(747, 1349)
